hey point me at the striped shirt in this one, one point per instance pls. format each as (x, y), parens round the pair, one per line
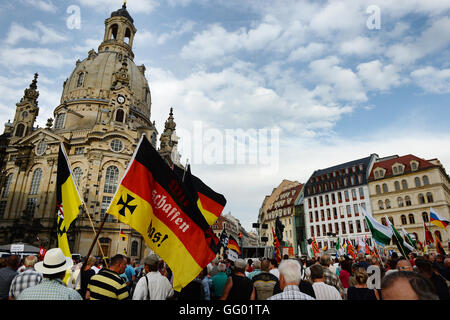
(324, 291)
(291, 292)
(26, 279)
(49, 290)
(107, 285)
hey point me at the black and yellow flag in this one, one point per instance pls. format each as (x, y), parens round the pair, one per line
(68, 200)
(209, 202)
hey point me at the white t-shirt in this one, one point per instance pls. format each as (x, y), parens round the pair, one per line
(324, 291)
(159, 287)
(275, 272)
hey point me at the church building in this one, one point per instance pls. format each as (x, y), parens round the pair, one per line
(104, 109)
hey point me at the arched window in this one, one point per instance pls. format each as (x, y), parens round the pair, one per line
(426, 180)
(408, 201)
(411, 218)
(36, 181)
(397, 186)
(400, 201)
(20, 130)
(113, 32)
(380, 204)
(404, 184)
(59, 122)
(385, 188)
(417, 181)
(429, 197)
(120, 115)
(425, 217)
(77, 174)
(378, 189)
(388, 203)
(7, 185)
(437, 234)
(421, 198)
(111, 179)
(403, 217)
(80, 80)
(128, 36)
(134, 248)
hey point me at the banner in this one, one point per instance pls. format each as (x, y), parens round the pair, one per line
(151, 200)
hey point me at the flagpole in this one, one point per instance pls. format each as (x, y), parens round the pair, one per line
(93, 229)
(93, 243)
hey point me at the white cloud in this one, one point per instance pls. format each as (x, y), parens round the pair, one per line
(146, 38)
(43, 5)
(360, 46)
(378, 77)
(41, 57)
(346, 85)
(311, 51)
(135, 6)
(41, 34)
(432, 80)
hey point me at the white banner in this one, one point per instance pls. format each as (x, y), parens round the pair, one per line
(232, 255)
(17, 248)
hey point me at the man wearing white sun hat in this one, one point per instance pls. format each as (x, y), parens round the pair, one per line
(53, 268)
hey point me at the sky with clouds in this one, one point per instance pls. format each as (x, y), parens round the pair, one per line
(337, 80)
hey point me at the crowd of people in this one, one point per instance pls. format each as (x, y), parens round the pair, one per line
(424, 277)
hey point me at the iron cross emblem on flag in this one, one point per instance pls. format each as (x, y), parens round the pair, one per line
(126, 205)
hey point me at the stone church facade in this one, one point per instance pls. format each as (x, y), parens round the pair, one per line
(104, 109)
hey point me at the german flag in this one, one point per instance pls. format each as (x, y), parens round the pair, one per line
(276, 244)
(68, 200)
(350, 250)
(233, 245)
(315, 247)
(123, 236)
(209, 202)
(152, 201)
(439, 247)
(428, 235)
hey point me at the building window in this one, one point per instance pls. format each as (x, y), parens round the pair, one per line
(356, 209)
(421, 198)
(120, 115)
(30, 207)
(354, 194)
(408, 201)
(312, 231)
(339, 196)
(397, 186)
(80, 79)
(404, 184)
(41, 147)
(134, 248)
(411, 219)
(36, 181)
(417, 182)
(400, 201)
(358, 226)
(79, 150)
(20, 130)
(346, 195)
(116, 145)
(414, 165)
(59, 122)
(426, 181)
(350, 227)
(318, 230)
(403, 217)
(105, 205)
(425, 217)
(388, 203)
(317, 216)
(7, 186)
(380, 204)
(378, 189)
(361, 193)
(335, 216)
(77, 174)
(3, 208)
(366, 227)
(385, 188)
(344, 231)
(349, 211)
(363, 205)
(111, 179)
(429, 197)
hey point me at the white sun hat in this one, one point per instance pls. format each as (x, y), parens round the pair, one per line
(54, 262)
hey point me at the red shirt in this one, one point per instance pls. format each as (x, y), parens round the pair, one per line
(344, 276)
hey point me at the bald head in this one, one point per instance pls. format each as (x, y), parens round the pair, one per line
(404, 265)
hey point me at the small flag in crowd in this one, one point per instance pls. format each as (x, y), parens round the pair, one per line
(439, 247)
(437, 220)
(428, 235)
(315, 247)
(276, 245)
(123, 236)
(152, 201)
(233, 245)
(223, 241)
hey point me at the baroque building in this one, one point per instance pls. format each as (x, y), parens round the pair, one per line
(104, 109)
(403, 189)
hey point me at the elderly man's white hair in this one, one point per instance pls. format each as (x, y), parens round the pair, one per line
(291, 271)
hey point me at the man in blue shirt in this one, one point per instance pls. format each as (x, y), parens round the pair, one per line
(130, 273)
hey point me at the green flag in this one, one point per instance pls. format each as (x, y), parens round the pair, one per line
(380, 233)
(408, 238)
(403, 247)
(338, 246)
